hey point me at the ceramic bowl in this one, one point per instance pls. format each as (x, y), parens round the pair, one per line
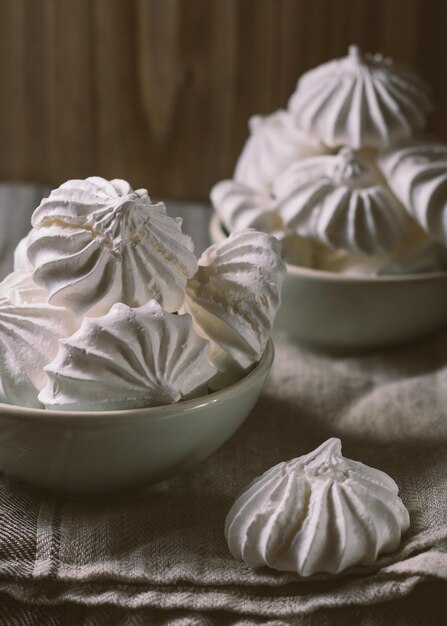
(84, 453)
(330, 312)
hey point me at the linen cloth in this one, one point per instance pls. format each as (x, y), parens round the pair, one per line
(162, 558)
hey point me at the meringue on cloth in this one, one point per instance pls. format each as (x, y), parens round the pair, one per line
(233, 300)
(317, 513)
(128, 359)
(96, 242)
(30, 329)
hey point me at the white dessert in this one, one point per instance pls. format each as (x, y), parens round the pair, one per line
(30, 329)
(417, 174)
(340, 202)
(418, 254)
(233, 300)
(275, 141)
(21, 261)
(361, 100)
(127, 359)
(120, 265)
(346, 202)
(242, 207)
(96, 242)
(319, 512)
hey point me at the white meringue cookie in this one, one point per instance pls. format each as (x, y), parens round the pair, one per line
(127, 359)
(360, 101)
(275, 141)
(340, 202)
(428, 257)
(417, 174)
(239, 207)
(296, 250)
(342, 262)
(418, 254)
(30, 330)
(21, 261)
(96, 242)
(20, 289)
(233, 300)
(319, 512)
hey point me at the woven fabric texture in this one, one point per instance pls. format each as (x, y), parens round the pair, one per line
(161, 558)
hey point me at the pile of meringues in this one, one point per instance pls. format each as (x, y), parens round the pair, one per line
(108, 308)
(345, 176)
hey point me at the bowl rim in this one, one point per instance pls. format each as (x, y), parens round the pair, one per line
(163, 411)
(217, 234)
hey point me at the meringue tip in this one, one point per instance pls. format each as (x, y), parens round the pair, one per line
(354, 52)
(332, 445)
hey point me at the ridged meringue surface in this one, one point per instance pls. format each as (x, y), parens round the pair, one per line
(360, 101)
(30, 329)
(233, 300)
(275, 141)
(317, 513)
(417, 174)
(21, 261)
(239, 206)
(96, 242)
(340, 202)
(127, 359)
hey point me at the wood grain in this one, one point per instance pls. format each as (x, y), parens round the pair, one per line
(160, 91)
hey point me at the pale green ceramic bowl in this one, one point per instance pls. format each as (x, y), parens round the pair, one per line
(330, 312)
(83, 453)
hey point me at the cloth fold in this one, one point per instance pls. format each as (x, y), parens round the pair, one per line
(164, 553)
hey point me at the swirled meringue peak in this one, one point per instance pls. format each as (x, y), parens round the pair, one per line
(341, 202)
(96, 242)
(417, 174)
(30, 329)
(127, 359)
(319, 512)
(275, 141)
(362, 100)
(233, 300)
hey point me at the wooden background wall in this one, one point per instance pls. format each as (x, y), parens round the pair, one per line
(159, 91)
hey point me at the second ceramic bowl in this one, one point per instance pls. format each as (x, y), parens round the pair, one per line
(330, 312)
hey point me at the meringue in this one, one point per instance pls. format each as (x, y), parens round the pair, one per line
(348, 212)
(96, 242)
(417, 174)
(342, 262)
(319, 512)
(21, 261)
(340, 202)
(275, 141)
(127, 359)
(30, 329)
(233, 300)
(360, 101)
(240, 207)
